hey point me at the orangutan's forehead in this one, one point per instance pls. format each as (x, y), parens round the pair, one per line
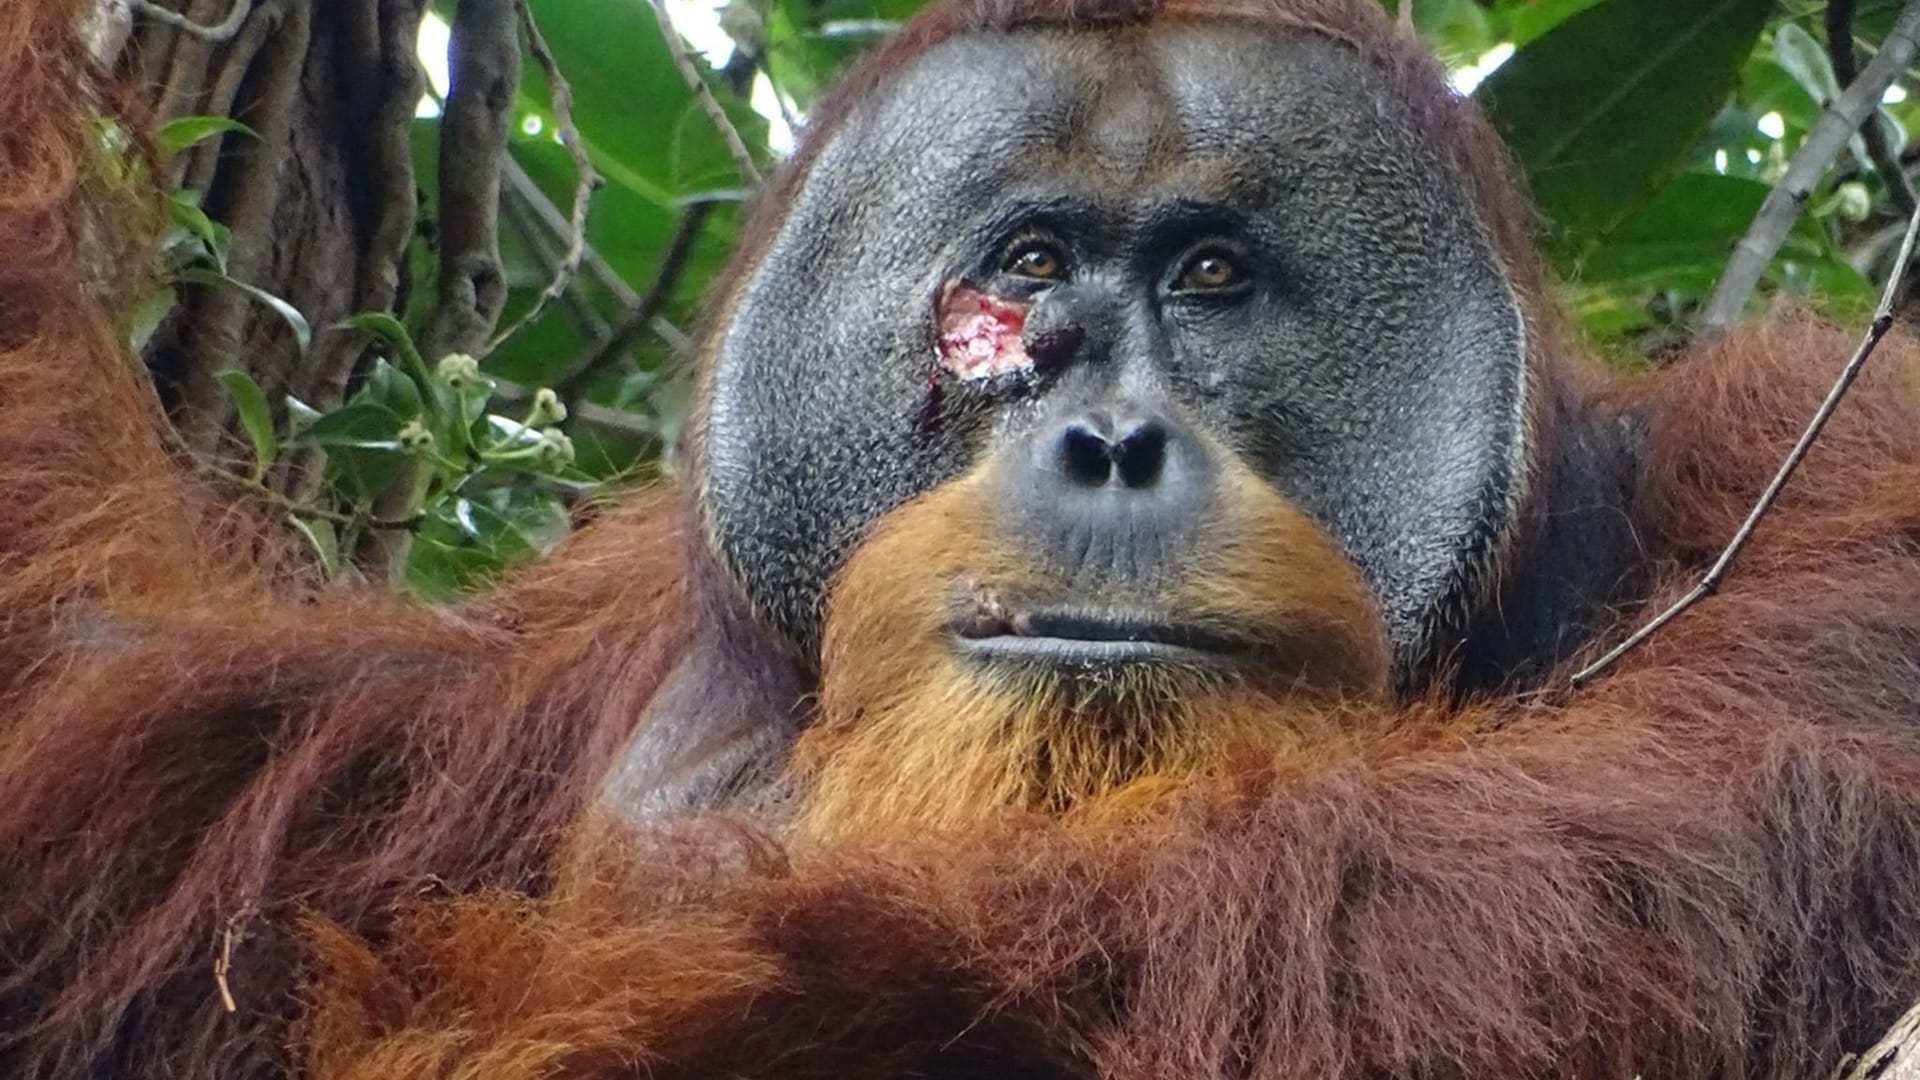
(1122, 107)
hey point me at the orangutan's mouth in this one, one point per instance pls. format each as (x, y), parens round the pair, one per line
(1082, 637)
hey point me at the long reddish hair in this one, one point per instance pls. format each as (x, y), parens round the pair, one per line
(220, 788)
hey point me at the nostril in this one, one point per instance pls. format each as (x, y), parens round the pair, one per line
(1141, 454)
(1087, 455)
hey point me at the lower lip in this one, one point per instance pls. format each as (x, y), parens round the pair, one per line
(1078, 652)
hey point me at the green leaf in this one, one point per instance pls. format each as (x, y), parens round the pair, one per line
(363, 470)
(300, 415)
(441, 570)
(811, 43)
(613, 54)
(1677, 245)
(390, 330)
(465, 542)
(152, 310)
(393, 391)
(1605, 105)
(510, 434)
(1807, 61)
(474, 398)
(361, 424)
(537, 517)
(323, 537)
(458, 411)
(632, 233)
(1534, 19)
(255, 417)
(176, 135)
(1681, 238)
(183, 210)
(302, 332)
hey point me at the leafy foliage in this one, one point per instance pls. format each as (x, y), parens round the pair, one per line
(490, 487)
(1649, 131)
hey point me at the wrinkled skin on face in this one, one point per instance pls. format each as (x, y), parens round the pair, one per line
(1277, 265)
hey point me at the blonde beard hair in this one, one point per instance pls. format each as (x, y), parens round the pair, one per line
(912, 735)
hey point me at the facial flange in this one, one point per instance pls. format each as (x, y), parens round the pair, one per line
(1369, 364)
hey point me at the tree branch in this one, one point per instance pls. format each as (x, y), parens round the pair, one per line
(196, 168)
(1874, 131)
(521, 188)
(484, 65)
(219, 315)
(215, 34)
(1841, 118)
(506, 393)
(392, 83)
(702, 93)
(187, 57)
(639, 316)
(1882, 322)
(587, 178)
(108, 30)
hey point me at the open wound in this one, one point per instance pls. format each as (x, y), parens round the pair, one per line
(980, 334)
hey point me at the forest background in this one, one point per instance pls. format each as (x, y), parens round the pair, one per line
(429, 271)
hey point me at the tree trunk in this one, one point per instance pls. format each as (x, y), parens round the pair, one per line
(322, 203)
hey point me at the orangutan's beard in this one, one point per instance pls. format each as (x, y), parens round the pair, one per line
(952, 743)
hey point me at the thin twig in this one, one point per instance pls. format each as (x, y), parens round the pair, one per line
(521, 188)
(587, 178)
(639, 316)
(223, 961)
(287, 504)
(702, 93)
(215, 34)
(1882, 322)
(547, 253)
(1895, 1057)
(632, 425)
(1874, 132)
(1837, 123)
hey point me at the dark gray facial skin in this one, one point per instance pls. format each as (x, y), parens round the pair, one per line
(1368, 362)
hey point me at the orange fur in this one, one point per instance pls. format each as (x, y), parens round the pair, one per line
(1702, 867)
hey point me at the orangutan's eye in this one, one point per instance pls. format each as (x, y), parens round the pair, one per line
(1035, 259)
(1209, 271)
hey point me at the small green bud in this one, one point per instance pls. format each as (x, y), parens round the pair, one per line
(458, 369)
(1852, 201)
(414, 438)
(555, 448)
(547, 409)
